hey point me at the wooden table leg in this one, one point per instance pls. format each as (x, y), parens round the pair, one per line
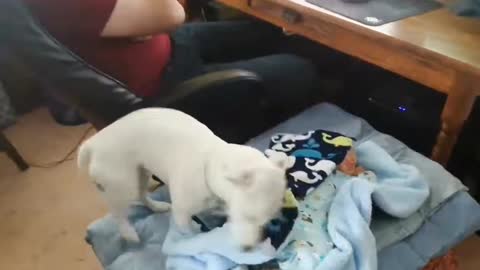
(456, 110)
(448, 261)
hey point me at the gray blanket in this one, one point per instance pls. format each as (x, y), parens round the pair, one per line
(467, 8)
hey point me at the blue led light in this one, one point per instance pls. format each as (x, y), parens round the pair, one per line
(402, 109)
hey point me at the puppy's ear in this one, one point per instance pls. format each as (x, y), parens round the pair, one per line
(280, 159)
(243, 179)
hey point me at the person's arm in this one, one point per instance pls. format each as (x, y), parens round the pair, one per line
(136, 18)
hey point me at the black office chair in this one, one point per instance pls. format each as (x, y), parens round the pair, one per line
(100, 98)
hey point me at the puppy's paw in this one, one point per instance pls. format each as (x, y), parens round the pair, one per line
(132, 238)
(184, 225)
(157, 206)
(186, 229)
(128, 233)
(160, 207)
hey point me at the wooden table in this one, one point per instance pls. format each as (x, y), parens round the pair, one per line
(436, 49)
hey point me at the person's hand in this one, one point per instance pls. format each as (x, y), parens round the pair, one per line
(140, 18)
(183, 3)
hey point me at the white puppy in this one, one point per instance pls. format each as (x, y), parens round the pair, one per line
(198, 167)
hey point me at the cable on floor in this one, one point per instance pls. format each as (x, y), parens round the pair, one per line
(67, 157)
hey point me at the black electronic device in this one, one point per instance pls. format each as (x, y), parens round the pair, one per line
(396, 106)
(411, 113)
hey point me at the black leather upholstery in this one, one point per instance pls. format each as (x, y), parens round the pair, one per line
(99, 97)
(67, 75)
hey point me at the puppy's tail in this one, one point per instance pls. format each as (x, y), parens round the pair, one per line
(84, 155)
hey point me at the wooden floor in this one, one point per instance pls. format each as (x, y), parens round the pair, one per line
(44, 212)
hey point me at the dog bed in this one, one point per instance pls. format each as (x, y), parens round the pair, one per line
(448, 217)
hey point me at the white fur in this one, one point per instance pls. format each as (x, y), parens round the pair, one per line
(196, 165)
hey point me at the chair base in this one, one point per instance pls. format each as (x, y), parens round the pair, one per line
(12, 153)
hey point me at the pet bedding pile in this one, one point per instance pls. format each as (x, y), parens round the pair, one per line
(331, 230)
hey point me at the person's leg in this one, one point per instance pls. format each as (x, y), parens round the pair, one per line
(196, 44)
(289, 80)
(225, 41)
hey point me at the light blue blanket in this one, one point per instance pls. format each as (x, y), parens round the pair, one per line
(400, 191)
(162, 244)
(346, 210)
(214, 250)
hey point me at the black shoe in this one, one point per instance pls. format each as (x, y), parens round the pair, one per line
(68, 117)
(63, 114)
